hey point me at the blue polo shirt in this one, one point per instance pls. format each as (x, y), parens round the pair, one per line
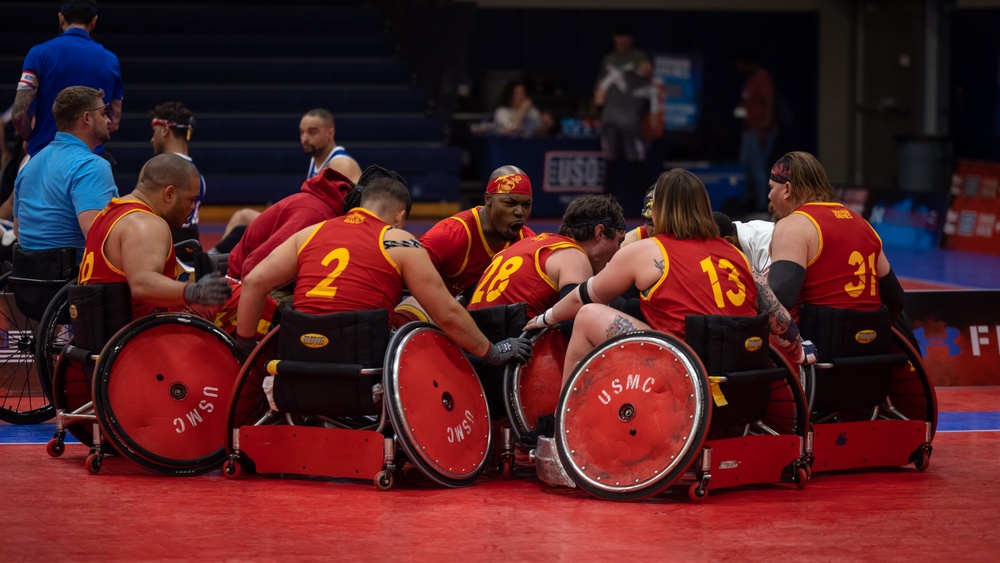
(72, 59)
(60, 182)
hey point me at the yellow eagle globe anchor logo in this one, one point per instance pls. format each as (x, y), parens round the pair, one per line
(506, 184)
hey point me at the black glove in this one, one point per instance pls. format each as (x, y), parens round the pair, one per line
(245, 345)
(210, 290)
(517, 348)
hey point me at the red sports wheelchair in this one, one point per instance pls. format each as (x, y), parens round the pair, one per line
(643, 410)
(872, 402)
(334, 395)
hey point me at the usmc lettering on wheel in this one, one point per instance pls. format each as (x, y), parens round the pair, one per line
(632, 381)
(463, 429)
(195, 416)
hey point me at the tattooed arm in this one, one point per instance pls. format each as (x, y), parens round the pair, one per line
(784, 332)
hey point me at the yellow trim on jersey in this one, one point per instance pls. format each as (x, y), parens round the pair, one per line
(646, 294)
(555, 246)
(112, 227)
(415, 311)
(819, 233)
(385, 253)
(468, 245)
(310, 237)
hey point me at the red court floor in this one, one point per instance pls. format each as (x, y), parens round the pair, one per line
(55, 510)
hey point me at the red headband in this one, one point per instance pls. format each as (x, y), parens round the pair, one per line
(509, 184)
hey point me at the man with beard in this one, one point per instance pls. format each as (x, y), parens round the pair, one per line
(316, 131)
(463, 245)
(61, 189)
(822, 252)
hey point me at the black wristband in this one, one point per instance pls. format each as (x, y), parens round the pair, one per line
(584, 294)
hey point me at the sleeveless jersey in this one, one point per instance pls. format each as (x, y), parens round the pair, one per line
(517, 275)
(843, 273)
(459, 251)
(343, 266)
(700, 277)
(641, 232)
(95, 267)
(337, 152)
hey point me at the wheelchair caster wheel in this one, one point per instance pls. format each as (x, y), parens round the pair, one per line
(383, 481)
(697, 492)
(232, 469)
(507, 467)
(922, 458)
(94, 463)
(801, 477)
(55, 447)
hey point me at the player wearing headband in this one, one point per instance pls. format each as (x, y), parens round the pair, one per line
(463, 245)
(822, 252)
(173, 124)
(541, 269)
(684, 269)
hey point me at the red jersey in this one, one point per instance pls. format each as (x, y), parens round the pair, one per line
(700, 277)
(459, 251)
(343, 266)
(95, 268)
(517, 275)
(641, 232)
(843, 273)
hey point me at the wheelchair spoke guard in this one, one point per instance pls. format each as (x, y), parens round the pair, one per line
(633, 416)
(436, 405)
(161, 389)
(532, 389)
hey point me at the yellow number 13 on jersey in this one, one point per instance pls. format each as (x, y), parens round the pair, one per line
(326, 288)
(735, 297)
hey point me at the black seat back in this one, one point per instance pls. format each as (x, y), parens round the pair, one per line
(858, 344)
(346, 343)
(37, 275)
(97, 312)
(735, 347)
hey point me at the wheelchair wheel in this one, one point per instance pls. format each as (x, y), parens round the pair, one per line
(532, 389)
(160, 390)
(912, 392)
(248, 403)
(788, 411)
(54, 331)
(633, 416)
(436, 405)
(23, 397)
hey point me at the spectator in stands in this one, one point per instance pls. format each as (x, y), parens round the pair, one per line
(753, 238)
(374, 258)
(61, 190)
(316, 133)
(321, 197)
(823, 253)
(173, 124)
(516, 116)
(130, 242)
(462, 246)
(71, 59)
(759, 126)
(624, 93)
(540, 269)
(684, 269)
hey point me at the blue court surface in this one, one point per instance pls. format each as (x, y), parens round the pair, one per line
(947, 422)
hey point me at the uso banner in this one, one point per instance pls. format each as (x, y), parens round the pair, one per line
(959, 334)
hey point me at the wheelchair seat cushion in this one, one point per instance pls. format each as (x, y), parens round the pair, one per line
(728, 343)
(846, 333)
(353, 337)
